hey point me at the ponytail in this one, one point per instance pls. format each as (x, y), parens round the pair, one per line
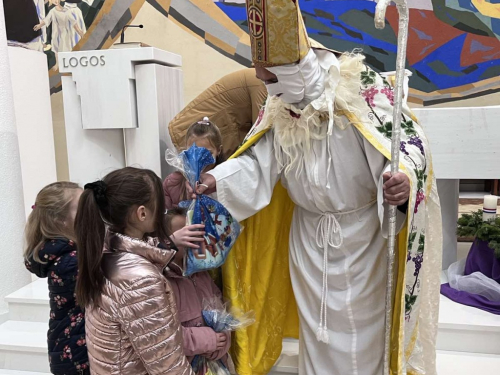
(90, 232)
(108, 203)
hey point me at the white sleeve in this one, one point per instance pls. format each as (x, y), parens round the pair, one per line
(378, 166)
(245, 184)
(50, 17)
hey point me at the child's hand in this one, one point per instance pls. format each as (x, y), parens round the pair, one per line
(221, 341)
(189, 236)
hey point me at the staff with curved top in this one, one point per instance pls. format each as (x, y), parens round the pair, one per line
(403, 13)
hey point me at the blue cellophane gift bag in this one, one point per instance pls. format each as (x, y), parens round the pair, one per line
(221, 229)
(217, 317)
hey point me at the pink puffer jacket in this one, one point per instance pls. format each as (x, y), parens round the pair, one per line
(190, 293)
(173, 188)
(135, 329)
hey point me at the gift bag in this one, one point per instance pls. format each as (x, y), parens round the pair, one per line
(203, 366)
(220, 319)
(217, 317)
(221, 229)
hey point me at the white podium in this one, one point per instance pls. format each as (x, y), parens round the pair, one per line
(117, 106)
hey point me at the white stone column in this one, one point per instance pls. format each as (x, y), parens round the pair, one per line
(13, 275)
(35, 132)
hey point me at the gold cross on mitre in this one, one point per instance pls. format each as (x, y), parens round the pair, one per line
(277, 32)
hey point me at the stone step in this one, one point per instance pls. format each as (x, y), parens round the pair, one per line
(30, 303)
(23, 346)
(462, 329)
(459, 363)
(466, 329)
(448, 362)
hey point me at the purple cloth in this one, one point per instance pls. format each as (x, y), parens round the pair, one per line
(480, 259)
(468, 299)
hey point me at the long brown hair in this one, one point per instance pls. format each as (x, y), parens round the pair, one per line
(108, 203)
(49, 218)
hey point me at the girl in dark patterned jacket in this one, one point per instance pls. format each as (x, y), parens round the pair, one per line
(51, 252)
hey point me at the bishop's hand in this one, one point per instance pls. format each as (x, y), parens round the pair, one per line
(206, 185)
(396, 188)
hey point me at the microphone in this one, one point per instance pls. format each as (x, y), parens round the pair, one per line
(122, 37)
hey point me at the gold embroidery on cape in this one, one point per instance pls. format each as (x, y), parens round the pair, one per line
(277, 32)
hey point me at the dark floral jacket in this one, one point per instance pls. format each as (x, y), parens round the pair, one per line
(66, 335)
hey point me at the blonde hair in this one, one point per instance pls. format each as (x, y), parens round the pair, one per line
(47, 220)
(204, 129)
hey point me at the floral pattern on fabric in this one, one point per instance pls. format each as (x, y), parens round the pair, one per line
(66, 334)
(413, 161)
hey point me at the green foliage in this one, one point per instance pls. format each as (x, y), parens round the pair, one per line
(386, 129)
(421, 244)
(472, 225)
(408, 127)
(368, 77)
(411, 239)
(409, 302)
(421, 177)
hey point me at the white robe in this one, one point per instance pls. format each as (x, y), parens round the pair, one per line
(40, 10)
(62, 29)
(356, 270)
(77, 18)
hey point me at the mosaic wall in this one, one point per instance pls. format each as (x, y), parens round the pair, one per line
(453, 47)
(453, 51)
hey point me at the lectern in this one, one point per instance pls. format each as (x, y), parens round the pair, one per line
(117, 106)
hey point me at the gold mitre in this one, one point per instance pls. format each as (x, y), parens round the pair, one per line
(277, 32)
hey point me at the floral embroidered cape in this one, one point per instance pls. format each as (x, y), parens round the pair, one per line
(418, 251)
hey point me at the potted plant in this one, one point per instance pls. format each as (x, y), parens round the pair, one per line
(484, 255)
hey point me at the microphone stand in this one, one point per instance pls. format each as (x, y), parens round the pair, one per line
(122, 36)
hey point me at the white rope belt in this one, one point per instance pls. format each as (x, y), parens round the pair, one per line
(329, 235)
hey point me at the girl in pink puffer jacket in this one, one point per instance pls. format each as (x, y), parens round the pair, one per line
(189, 295)
(132, 325)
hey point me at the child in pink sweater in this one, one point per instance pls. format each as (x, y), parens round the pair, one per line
(189, 294)
(205, 134)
